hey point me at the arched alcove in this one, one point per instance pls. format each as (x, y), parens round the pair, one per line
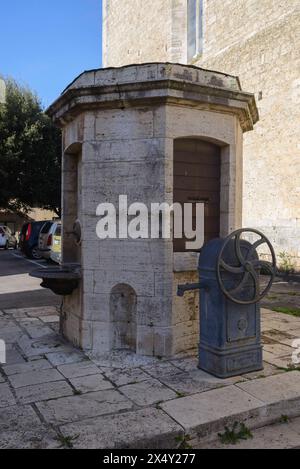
(197, 179)
(123, 314)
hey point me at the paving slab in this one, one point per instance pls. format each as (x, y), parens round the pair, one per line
(44, 345)
(148, 392)
(142, 429)
(37, 365)
(77, 370)
(15, 313)
(199, 411)
(281, 337)
(50, 319)
(43, 392)
(36, 329)
(269, 370)
(279, 350)
(32, 312)
(91, 383)
(187, 364)
(190, 383)
(6, 397)
(159, 369)
(284, 387)
(65, 358)
(10, 333)
(14, 357)
(123, 377)
(277, 436)
(35, 377)
(20, 428)
(279, 362)
(75, 408)
(122, 360)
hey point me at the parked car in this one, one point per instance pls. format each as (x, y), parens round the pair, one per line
(29, 239)
(7, 238)
(46, 239)
(55, 254)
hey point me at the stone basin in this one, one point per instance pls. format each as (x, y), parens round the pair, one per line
(62, 280)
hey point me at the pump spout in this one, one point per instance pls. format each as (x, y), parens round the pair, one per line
(189, 287)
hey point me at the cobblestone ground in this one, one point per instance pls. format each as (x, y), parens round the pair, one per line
(52, 395)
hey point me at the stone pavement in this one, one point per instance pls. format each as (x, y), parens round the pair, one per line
(52, 395)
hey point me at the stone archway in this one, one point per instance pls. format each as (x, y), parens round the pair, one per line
(123, 314)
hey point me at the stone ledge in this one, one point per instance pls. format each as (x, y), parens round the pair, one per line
(146, 84)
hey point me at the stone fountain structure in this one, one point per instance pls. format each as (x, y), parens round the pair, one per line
(122, 129)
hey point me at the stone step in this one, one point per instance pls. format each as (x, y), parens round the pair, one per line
(256, 403)
(283, 435)
(195, 420)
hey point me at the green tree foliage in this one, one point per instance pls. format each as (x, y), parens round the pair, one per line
(30, 153)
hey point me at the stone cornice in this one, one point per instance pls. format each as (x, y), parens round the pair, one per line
(154, 84)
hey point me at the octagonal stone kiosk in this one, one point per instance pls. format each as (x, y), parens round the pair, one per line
(157, 133)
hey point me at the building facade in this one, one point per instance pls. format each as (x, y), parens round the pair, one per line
(256, 40)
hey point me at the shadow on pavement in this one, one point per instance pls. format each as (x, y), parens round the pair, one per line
(29, 299)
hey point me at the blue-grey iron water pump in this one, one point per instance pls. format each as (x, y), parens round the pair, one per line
(233, 279)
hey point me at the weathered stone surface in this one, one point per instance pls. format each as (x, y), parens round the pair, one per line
(190, 383)
(123, 377)
(278, 436)
(34, 377)
(20, 428)
(144, 429)
(65, 358)
(274, 388)
(76, 370)
(6, 397)
(37, 312)
(14, 357)
(278, 350)
(47, 344)
(91, 383)
(37, 365)
(123, 360)
(50, 319)
(10, 333)
(71, 409)
(269, 370)
(160, 369)
(148, 392)
(203, 409)
(36, 329)
(43, 392)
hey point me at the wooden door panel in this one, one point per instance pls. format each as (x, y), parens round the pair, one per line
(197, 178)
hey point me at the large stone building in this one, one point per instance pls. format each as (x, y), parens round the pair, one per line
(257, 40)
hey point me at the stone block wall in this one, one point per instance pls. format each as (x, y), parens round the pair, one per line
(259, 41)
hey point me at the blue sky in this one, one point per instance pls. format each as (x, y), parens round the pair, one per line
(45, 44)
